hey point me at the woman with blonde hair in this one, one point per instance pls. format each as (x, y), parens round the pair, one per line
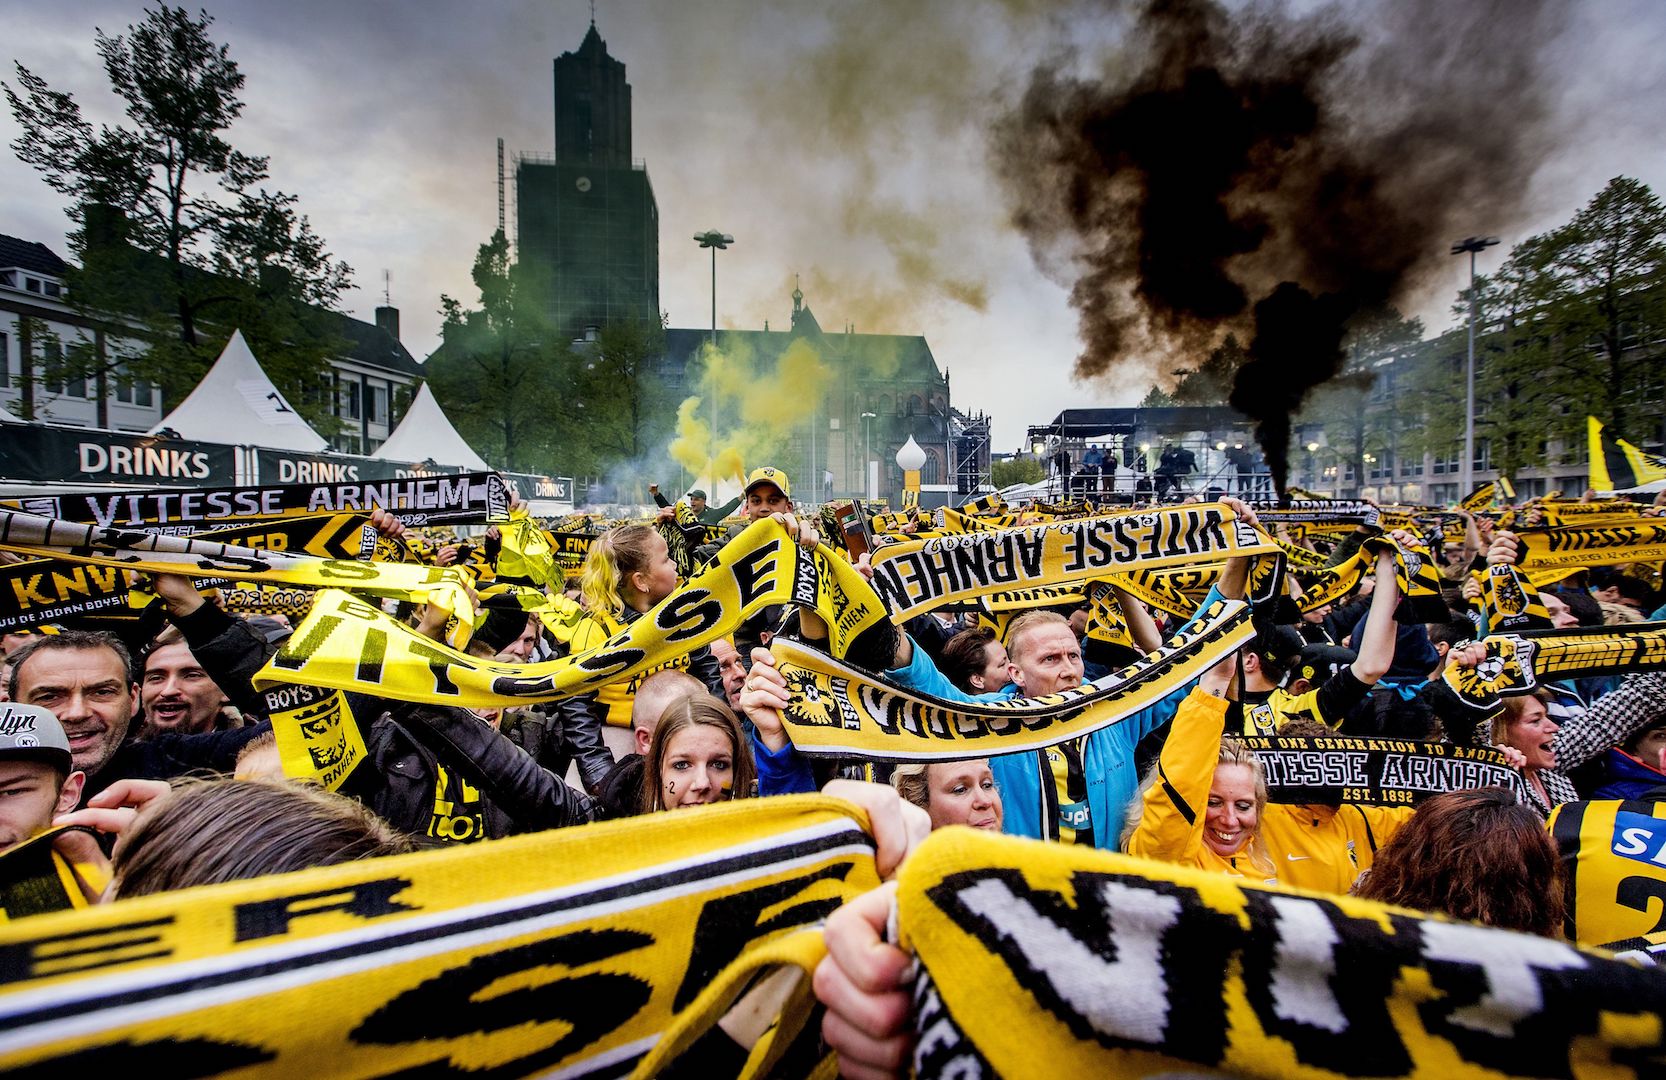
(1205, 797)
(952, 792)
(627, 571)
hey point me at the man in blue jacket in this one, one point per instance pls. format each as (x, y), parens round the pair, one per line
(1078, 791)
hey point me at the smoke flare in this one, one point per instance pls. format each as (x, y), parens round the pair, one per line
(1274, 175)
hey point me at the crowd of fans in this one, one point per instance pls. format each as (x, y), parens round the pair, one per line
(163, 758)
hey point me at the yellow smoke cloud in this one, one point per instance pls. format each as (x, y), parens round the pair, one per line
(760, 400)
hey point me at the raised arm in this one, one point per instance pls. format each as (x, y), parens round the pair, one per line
(1376, 650)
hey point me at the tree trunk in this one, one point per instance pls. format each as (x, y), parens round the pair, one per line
(26, 366)
(102, 380)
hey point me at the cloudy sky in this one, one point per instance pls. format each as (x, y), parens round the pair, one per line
(844, 141)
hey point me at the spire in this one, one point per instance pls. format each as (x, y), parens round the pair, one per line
(798, 298)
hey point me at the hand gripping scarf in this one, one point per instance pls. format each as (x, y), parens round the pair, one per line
(1518, 663)
(1042, 960)
(592, 951)
(129, 550)
(46, 590)
(841, 711)
(349, 645)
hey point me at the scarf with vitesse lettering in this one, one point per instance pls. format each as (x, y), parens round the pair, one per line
(601, 950)
(1305, 558)
(45, 590)
(1041, 959)
(349, 645)
(1554, 512)
(1597, 545)
(1518, 663)
(128, 550)
(838, 710)
(1380, 772)
(920, 575)
(419, 501)
(1318, 511)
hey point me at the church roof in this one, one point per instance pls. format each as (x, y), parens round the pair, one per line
(903, 357)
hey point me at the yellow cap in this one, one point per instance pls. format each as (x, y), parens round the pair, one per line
(769, 475)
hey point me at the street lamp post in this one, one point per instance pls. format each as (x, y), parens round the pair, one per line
(867, 453)
(1471, 245)
(715, 240)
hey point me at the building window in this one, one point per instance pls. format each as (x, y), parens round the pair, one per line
(1443, 494)
(347, 399)
(377, 412)
(1483, 455)
(1573, 486)
(5, 360)
(52, 362)
(32, 284)
(1412, 466)
(1447, 463)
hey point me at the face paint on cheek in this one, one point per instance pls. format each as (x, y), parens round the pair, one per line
(725, 790)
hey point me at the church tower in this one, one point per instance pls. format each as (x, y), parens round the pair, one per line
(586, 222)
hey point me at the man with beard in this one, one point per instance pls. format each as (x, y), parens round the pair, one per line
(175, 692)
(85, 680)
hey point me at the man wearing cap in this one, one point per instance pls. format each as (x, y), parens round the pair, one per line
(768, 491)
(710, 515)
(85, 680)
(38, 778)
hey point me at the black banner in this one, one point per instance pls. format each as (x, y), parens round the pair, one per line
(1382, 772)
(49, 454)
(294, 467)
(530, 486)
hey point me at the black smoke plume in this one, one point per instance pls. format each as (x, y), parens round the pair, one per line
(1274, 175)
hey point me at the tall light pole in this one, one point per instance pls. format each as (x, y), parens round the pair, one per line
(717, 241)
(1472, 245)
(867, 452)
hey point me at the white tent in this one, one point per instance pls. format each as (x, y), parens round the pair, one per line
(426, 434)
(236, 403)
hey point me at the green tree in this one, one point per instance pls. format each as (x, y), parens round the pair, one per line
(1210, 383)
(623, 412)
(174, 226)
(1612, 260)
(502, 373)
(1361, 409)
(1018, 470)
(1156, 398)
